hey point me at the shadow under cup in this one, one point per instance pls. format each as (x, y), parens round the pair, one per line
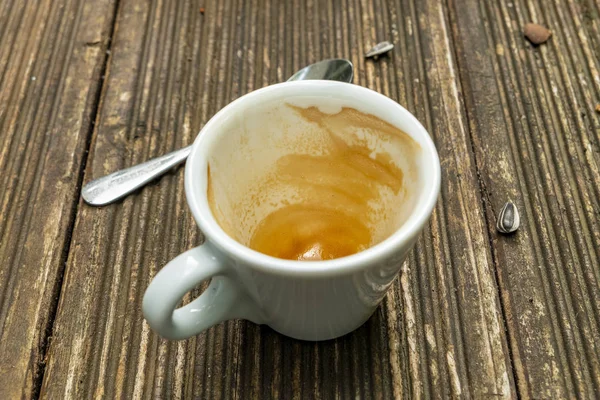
(312, 177)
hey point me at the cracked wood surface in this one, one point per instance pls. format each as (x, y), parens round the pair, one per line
(473, 314)
(51, 60)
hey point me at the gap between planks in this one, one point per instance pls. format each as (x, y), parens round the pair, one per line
(47, 338)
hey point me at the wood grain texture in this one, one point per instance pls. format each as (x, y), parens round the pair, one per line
(440, 330)
(473, 314)
(51, 58)
(537, 142)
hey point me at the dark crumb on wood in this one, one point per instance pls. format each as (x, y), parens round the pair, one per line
(94, 43)
(536, 34)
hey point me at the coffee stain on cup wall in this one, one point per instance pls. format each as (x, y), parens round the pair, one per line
(342, 197)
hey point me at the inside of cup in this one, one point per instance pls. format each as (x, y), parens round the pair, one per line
(317, 153)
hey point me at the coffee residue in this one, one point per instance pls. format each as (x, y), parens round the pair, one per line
(333, 218)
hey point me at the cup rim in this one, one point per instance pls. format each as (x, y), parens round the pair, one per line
(217, 237)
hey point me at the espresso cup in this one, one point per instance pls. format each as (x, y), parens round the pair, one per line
(308, 300)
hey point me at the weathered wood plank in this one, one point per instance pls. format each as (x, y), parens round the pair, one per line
(440, 330)
(51, 58)
(537, 142)
(455, 339)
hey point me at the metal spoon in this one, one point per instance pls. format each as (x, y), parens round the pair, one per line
(117, 185)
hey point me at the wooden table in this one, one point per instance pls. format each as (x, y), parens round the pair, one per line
(89, 87)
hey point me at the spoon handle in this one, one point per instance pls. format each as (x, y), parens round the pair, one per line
(114, 186)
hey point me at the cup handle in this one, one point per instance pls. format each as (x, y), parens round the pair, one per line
(221, 301)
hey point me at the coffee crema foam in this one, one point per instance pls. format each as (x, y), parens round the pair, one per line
(328, 203)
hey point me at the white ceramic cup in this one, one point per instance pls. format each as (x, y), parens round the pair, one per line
(309, 300)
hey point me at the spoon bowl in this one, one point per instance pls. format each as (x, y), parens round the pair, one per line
(337, 69)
